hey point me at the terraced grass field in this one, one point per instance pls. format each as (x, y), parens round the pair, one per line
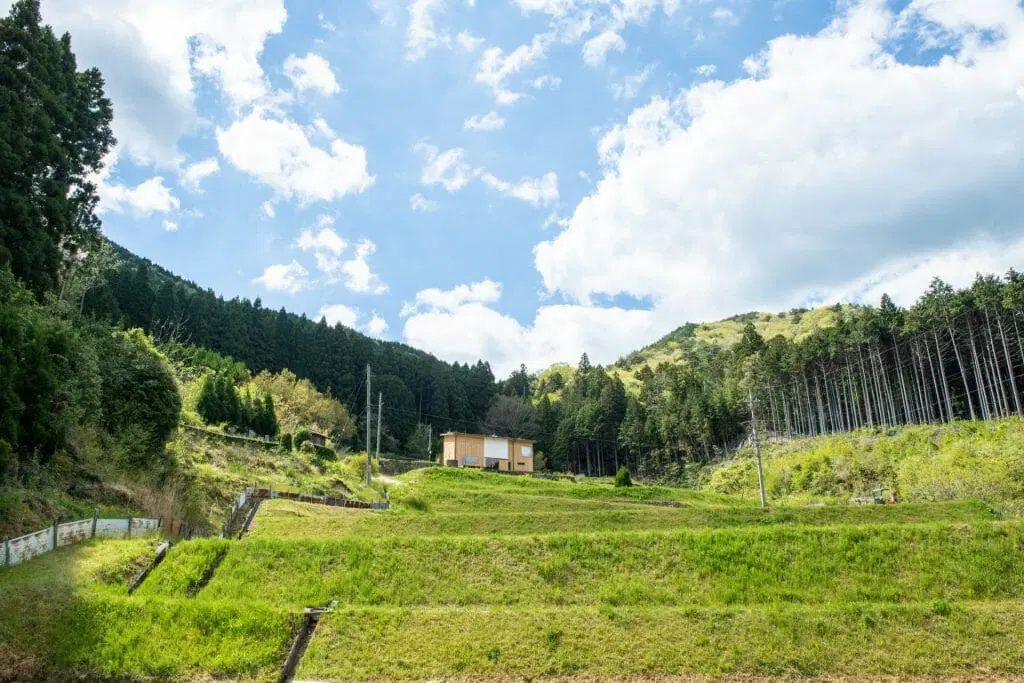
(481, 576)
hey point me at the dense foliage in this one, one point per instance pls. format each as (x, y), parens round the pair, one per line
(417, 388)
(71, 390)
(219, 401)
(54, 132)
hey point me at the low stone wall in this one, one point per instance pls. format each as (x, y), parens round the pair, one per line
(392, 467)
(17, 550)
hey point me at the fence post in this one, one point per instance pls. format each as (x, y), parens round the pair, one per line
(160, 524)
(7, 551)
(95, 516)
(129, 526)
(55, 523)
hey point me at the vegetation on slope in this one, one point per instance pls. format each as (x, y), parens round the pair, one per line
(283, 519)
(707, 567)
(962, 461)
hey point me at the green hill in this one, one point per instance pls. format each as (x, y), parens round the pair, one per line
(675, 347)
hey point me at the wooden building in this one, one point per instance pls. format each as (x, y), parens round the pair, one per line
(501, 453)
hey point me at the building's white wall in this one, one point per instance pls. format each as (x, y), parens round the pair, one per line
(496, 448)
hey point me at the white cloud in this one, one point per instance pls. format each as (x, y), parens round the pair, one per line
(311, 72)
(596, 49)
(280, 155)
(358, 276)
(548, 81)
(146, 198)
(837, 173)
(194, 174)
(489, 121)
(339, 313)
(284, 277)
(496, 67)
(534, 191)
(631, 84)
(420, 203)
(559, 333)
(268, 210)
(487, 291)
(726, 16)
(326, 240)
(448, 169)
(376, 326)
(153, 55)
(170, 226)
(325, 23)
(835, 158)
(468, 42)
(422, 35)
(706, 70)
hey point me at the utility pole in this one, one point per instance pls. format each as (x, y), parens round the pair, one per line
(380, 410)
(757, 449)
(369, 426)
(430, 442)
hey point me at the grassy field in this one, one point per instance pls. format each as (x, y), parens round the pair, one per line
(68, 613)
(480, 576)
(855, 641)
(285, 519)
(741, 566)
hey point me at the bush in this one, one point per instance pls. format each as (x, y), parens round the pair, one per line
(622, 477)
(286, 442)
(301, 437)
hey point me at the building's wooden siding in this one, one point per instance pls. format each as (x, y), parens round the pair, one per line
(457, 447)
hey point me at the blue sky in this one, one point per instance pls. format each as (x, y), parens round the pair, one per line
(525, 180)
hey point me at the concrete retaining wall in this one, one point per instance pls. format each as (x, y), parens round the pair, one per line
(24, 548)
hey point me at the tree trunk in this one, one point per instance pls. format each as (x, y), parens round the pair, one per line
(1009, 365)
(963, 372)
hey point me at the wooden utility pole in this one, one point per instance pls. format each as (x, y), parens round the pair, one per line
(380, 412)
(430, 442)
(369, 426)
(757, 449)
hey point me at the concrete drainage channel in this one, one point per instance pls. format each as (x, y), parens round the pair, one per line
(311, 617)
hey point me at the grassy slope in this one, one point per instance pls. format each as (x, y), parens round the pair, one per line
(746, 566)
(965, 460)
(283, 519)
(849, 640)
(724, 333)
(68, 611)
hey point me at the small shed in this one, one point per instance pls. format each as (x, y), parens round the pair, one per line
(317, 439)
(502, 453)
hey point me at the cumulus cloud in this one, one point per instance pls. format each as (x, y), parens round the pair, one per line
(706, 70)
(468, 42)
(596, 50)
(630, 86)
(326, 240)
(279, 154)
(339, 313)
(835, 171)
(146, 198)
(153, 54)
(311, 72)
(376, 326)
(486, 291)
(448, 169)
(169, 225)
(534, 191)
(194, 174)
(422, 34)
(559, 332)
(489, 121)
(284, 277)
(420, 203)
(496, 67)
(359, 277)
(547, 81)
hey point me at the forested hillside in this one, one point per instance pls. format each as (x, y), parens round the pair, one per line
(417, 387)
(954, 355)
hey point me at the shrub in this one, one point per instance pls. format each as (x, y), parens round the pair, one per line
(301, 437)
(622, 477)
(286, 442)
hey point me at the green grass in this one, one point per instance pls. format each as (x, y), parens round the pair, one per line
(961, 461)
(740, 566)
(479, 643)
(285, 519)
(68, 612)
